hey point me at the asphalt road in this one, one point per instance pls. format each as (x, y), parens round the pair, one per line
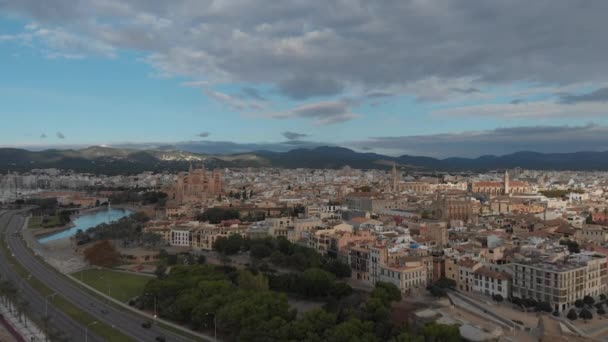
(127, 322)
(59, 320)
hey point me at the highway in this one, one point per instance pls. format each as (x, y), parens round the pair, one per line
(125, 321)
(59, 319)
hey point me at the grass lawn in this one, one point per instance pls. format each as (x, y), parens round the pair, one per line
(122, 286)
(44, 222)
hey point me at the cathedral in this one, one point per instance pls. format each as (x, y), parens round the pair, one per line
(196, 185)
(505, 187)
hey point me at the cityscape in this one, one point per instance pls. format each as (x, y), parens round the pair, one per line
(223, 170)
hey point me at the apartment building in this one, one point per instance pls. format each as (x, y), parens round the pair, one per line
(409, 275)
(561, 282)
(491, 282)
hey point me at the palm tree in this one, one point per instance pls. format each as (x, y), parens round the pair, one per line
(9, 293)
(22, 305)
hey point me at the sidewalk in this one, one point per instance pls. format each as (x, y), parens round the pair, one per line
(30, 333)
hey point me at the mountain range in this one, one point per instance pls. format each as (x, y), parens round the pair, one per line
(112, 161)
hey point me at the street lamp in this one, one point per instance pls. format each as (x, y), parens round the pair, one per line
(46, 303)
(86, 331)
(214, 325)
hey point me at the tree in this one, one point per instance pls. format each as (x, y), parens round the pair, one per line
(446, 283)
(441, 332)
(601, 311)
(544, 306)
(437, 291)
(201, 259)
(161, 271)
(102, 254)
(579, 303)
(230, 245)
(151, 239)
(386, 292)
(586, 314)
(249, 281)
(588, 300)
(217, 215)
(316, 282)
(572, 315)
(498, 298)
(338, 268)
(260, 251)
(603, 297)
(341, 290)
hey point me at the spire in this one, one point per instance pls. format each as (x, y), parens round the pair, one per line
(395, 177)
(190, 169)
(507, 188)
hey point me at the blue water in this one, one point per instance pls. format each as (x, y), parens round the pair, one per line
(87, 221)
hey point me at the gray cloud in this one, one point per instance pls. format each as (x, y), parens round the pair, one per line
(466, 90)
(599, 95)
(351, 43)
(252, 93)
(498, 141)
(293, 135)
(60, 135)
(203, 134)
(323, 113)
(303, 87)
(43, 136)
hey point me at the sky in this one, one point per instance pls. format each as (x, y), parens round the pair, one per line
(421, 77)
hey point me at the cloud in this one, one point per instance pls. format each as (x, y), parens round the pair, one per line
(43, 136)
(527, 110)
(203, 134)
(466, 90)
(234, 102)
(60, 135)
(591, 137)
(303, 87)
(323, 113)
(60, 43)
(252, 93)
(303, 49)
(293, 135)
(599, 95)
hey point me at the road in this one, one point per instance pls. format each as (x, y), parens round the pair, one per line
(127, 322)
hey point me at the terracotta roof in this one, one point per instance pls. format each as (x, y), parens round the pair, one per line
(485, 271)
(468, 263)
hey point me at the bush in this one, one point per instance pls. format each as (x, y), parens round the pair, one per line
(579, 303)
(498, 298)
(260, 251)
(588, 300)
(586, 314)
(572, 315)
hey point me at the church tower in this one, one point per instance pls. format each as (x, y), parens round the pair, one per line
(395, 177)
(507, 188)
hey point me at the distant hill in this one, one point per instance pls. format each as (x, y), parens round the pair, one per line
(112, 161)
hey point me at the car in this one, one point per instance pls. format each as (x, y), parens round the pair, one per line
(160, 339)
(146, 325)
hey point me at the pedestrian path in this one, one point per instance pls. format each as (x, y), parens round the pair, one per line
(23, 326)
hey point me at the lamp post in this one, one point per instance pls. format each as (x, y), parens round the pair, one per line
(155, 313)
(86, 331)
(46, 303)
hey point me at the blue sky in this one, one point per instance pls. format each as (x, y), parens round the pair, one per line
(111, 72)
